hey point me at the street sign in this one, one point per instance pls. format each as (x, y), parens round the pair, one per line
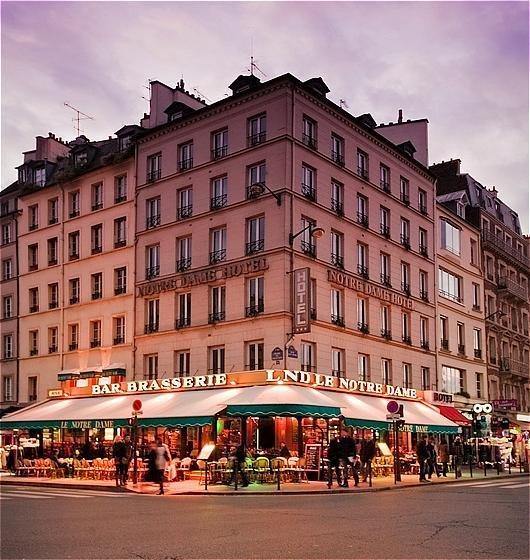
(393, 417)
(277, 353)
(392, 407)
(137, 405)
(292, 352)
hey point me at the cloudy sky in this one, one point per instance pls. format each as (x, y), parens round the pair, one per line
(464, 66)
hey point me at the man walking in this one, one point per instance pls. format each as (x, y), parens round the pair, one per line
(348, 457)
(422, 453)
(367, 455)
(334, 458)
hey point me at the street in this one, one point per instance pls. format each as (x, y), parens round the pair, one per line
(483, 519)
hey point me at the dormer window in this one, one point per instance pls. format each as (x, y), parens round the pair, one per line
(461, 209)
(39, 176)
(175, 116)
(80, 159)
(124, 142)
(22, 175)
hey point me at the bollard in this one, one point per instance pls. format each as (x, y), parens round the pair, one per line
(206, 475)
(509, 465)
(370, 473)
(454, 466)
(470, 467)
(485, 468)
(520, 465)
(236, 473)
(498, 465)
(278, 474)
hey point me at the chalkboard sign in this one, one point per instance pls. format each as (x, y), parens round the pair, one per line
(312, 454)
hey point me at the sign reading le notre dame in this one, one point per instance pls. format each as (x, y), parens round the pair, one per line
(203, 277)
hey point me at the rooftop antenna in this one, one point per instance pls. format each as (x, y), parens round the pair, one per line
(343, 104)
(253, 65)
(201, 95)
(80, 116)
(148, 88)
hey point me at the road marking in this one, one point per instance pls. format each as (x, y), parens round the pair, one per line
(482, 483)
(56, 494)
(4, 498)
(67, 493)
(29, 496)
(523, 485)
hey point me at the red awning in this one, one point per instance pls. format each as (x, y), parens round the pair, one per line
(455, 415)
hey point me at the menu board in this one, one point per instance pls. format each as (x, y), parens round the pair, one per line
(312, 454)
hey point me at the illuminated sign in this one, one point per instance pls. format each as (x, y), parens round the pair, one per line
(86, 424)
(194, 382)
(301, 284)
(55, 393)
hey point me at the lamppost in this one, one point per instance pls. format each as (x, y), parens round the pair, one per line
(500, 313)
(315, 232)
(257, 189)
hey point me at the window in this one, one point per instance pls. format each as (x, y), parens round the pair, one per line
(476, 296)
(444, 332)
(404, 190)
(452, 380)
(33, 300)
(153, 315)
(80, 159)
(7, 388)
(33, 342)
(405, 278)
(407, 376)
(255, 296)
(386, 328)
(257, 130)
(217, 245)
(73, 245)
(308, 356)
(362, 315)
(182, 363)
(53, 340)
(362, 164)
(97, 196)
(423, 246)
(74, 290)
(32, 388)
(6, 234)
(185, 156)
(363, 367)
(254, 352)
(220, 143)
(150, 366)
(461, 338)
(425, 379)
(362, 210)
(73, 337)
(52, 251)
(124, 142)
(53, 211)
(118, 329)
(384, 177)
(152, 259)
(153, 212)
(73, 204)
(217, 304)
(307, 243)
(492, 344)
(386, 371)
(256, 175)
(424, 285)
(7, 346)
(33, 256)
(255, 235)
(184, 203)
(154, 167)
(183, 310)
(384, 227)
(96, 281)
(460, 209)
(450, 237)
(39, 177)
(120, 232)
(337, 149)
(424, 333)
(7, 307)
(478, 384)
(450, 285)
(7, 269)
(337, 362)
(422, 201)
(337, 197)
(183, 253)
(313, 298)
(53, 295)
(337, 317)
(385, 270)
(219, 196)
(309, 132)
(33, 217)
(217, 359)
(477, 343)
(120, 188)
(96, 236)
(362, 260)
(337, 249)
(4, 208)
(406, 328)
(405, 233)
(309, 183)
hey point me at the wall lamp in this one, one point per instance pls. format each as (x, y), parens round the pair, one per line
(315, 232)
(257, 189)
(500, 313)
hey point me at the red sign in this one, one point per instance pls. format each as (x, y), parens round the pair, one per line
(301, 298)
(137, 405)
(392, 407)
(506, 404)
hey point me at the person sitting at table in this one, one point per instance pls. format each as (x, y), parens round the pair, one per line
(284, 451)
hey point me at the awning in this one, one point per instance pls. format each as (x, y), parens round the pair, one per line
(454, 415)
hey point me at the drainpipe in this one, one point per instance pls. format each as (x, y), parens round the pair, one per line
(17, 263)
(135, 206)
(63, 287)
(434, 283)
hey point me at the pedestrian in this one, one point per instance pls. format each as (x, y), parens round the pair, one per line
(458, 452)
(432, 460)
(126, 459)
(284, 451)
(367, 455)
(119, 452)
(423, 454)
(443, 455)
(239, 456)
(162, 457)
(334, 458)
(348, 455)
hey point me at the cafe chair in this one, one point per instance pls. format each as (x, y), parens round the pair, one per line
(262, 468)
(279, 467)
(184, 469)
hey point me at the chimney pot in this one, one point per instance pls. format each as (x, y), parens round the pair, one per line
(400, 116)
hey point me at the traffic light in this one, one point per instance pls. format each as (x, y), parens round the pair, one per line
(130, 421)
(400, 423)
(400, 411)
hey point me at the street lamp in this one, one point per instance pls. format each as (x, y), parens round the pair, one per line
(315, 232)
(500, 313)
(257, 189)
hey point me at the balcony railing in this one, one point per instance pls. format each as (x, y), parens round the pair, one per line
(217, 202)
(118, 290)
(386, 334)
(52, 262)
(216, 316)
(120, 198)
(512, 288)
(152, 272)
(385, 280)
(73, 256)
(33, 351)
(217, 256)
(120, 243)
(404, 198)
(424, 295)
(309, 141)
(151, 327)
(218, 153)
(363, 327)
(52, 349)
(185, 212)
(424, 251)
(337, 260)
(362, 270)
(309, 249)
(33, 227)
(33, 266)
(74, 300)
(253, 310)
(309, 192)
(423, 209)
(424, 344)
(362, 172)
(72, 346)
(119, 340)
(462, 349)
(97, 249)
(337, 320)
(97, 294)
(152, 221)
(53, 220)
(337, 207)
(492, 241)
(253, 247)
(405, 288)
(362, 219)
(182, 322)
(184, 164)
(183, 264)
(405, 241)
(97, 206)
(33, 308)
(406, 338)
(338, 158)
(54, 304)
(385, 185)
(255, 139)
(308, 367)
(153, 175)
(95, 343)
(73, 213)
(385, 231)
(448, 295)
(508, 365)
(477, 353)
(337, 372)
(444, 344)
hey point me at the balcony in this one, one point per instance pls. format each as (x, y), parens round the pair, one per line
(337, 320)
(183, 322)
(151, 327)
(73, 256)
(33, 308)
(119, 340)
(362, 219)
(385, 231)
(405, 288)
(73, 213)
(96, 250)
(185, 164)
(385, 280)
(424, 251)
(53, 220)
(476, 307)
(461, 350)
(33, 227)
(499, 246)
(310, 249)
(386, 334)
(507, 365)
(309, 192)
(97, 206)
(362, 172)
(477, 353)
(72, 346)
(118, 290)
(185, 212)
(218, 202)
(406, 339)
(153, 175)
(74, 300)
(424, 295)
(253, 247)
(444, 344)
(337, 372)
(363, 327)
(217, 256)
(33, 266)
(52, 349)
(216, 317)
(424, 344)
(33, 351)
(120, 243)
(338, 158)
(309, 141)
(337, 260)
(152, 272)
(220, 152)
(120, 198)
(308, 367)
(52, 262)
(511, 289)
(152, 221)
(385, 186)
(448, 295)
(363, 271)
(405, 241)
(97, 294)
(54, 304)
(337, 207)
(255, 139)
(423, 209)
(183, 264)
(404, 198)
(253, 310)
(95, 343)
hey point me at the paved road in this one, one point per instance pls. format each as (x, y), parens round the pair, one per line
(486, 519)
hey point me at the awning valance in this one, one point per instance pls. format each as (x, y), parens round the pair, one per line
(454, 415)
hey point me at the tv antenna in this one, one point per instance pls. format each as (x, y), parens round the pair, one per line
(80, 116)
(253, 65)
(201, 95)
(148, 88)
(343, 104)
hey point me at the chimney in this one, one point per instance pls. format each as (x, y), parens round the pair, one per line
(400, 116)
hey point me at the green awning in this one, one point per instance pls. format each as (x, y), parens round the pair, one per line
(283, 410)
(413, 428)
(366, 424)
(174, 422)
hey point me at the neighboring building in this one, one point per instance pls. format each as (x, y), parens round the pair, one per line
(505, 261)
(460, 304)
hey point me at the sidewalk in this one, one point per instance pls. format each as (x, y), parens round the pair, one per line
(192, 487)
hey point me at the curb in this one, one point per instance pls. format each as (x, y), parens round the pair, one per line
(16, 482)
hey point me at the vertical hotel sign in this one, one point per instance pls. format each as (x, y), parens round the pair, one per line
(301, 298)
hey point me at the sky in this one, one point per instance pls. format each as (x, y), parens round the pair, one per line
(462, 65)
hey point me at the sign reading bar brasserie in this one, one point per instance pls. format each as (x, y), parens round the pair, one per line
(268, 376)
(203, 277)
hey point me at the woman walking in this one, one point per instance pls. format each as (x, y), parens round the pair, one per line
(162, 457)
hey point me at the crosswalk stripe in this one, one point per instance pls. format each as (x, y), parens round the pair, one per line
(4, 498)
(58, 494)
(32, 497)
(68, 493)
(523, 485)
(482, 483)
